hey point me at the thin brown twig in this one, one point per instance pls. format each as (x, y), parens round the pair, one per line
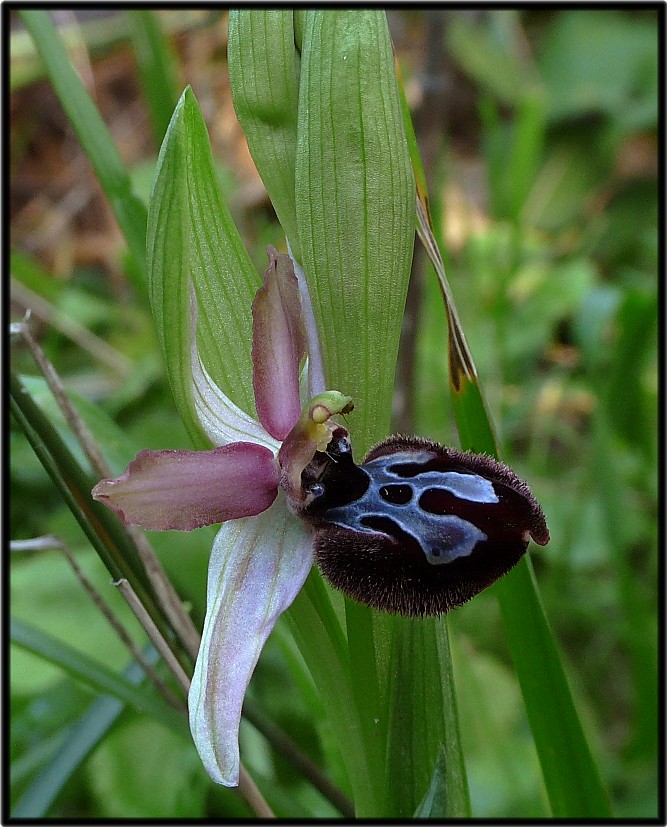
(51, 542)
(251, 792)
(283, 744)
(162, 585)
(76, 423)
(166, 593)
(79, 334)
(46, 543)
(122, 633)
(153, 632)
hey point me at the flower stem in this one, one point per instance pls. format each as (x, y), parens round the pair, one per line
(250, 791)
(283, 744)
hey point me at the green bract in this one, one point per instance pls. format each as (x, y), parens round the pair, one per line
(192, 243)
(316, 95)
(355, 206)
(265, 89)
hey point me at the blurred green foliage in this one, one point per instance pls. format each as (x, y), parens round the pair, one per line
(557, 292)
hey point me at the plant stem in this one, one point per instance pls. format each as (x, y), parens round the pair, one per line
(283, 744)
(153, 632)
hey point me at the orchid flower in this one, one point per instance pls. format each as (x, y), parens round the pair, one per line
(251, 483)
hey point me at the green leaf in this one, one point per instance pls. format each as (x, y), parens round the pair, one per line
(571, 777)
(355, 213)
(93, 134)
(355, 202)
(423, 719)
(157, 70)
(192, 241)
(264, 70)
(570, 774)
(96, 675)
(321, 641)
(80, 739)
(434, 802)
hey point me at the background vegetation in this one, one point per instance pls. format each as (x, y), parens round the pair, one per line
(539, 133)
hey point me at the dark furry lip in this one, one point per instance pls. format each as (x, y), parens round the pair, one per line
(418, 528)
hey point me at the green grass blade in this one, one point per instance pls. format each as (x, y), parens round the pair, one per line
(94, 674)
(93, 134)
(157, 68)
(103, 529)
(570, 774)
(80, 740)
(472, 422)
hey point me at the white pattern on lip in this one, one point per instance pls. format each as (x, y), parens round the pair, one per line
(442, 537)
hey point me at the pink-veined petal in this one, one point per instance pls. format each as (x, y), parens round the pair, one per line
(221, 419)
(316, 382)
(278, 346)
(183, 490)
(257, 568)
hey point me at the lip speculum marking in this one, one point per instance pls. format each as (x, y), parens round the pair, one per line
(418, 528)
(442, 537)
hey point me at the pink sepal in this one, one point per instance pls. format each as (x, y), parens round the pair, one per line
(278, 346)
(183, 490)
